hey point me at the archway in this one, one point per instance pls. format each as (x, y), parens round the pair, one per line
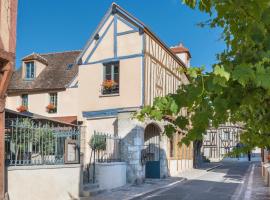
(151, 151)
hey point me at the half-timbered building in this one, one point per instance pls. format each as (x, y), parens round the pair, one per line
(122, 68)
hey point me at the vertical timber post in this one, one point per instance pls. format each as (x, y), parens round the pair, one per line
(8, 21)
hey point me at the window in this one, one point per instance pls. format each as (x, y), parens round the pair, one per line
(52, 107)
(29, 70)
(111, 78)
(24, 100)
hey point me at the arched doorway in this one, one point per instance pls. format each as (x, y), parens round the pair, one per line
(151, 151)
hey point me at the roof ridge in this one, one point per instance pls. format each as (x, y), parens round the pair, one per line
(58, 52)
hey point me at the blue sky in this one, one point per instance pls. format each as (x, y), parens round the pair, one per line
(61, 25)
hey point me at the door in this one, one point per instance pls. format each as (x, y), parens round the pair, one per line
(151, 151)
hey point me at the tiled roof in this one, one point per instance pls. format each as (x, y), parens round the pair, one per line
(57, 74)
(180, 49)
(67, 119)
(35, 56)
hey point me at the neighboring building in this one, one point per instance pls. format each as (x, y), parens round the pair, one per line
(8, 19)
(218, 142)
(122, 68)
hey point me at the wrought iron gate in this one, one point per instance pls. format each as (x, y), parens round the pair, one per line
(151, 151)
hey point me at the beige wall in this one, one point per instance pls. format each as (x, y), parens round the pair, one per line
(104, 125)
(101, 32)
(91, 78)
(58, 182)
(162, 74)
(67, 104)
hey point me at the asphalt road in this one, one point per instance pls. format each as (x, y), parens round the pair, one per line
(228, 182)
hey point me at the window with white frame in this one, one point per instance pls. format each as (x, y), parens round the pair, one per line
(52, 107)
(24, 99)
(29, 70)
(110, 83)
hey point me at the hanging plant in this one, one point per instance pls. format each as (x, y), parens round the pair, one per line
(22, 108)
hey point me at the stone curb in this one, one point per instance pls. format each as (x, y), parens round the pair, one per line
(149, 192)
(209, 169)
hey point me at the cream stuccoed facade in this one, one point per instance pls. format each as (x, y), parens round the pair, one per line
(123, 50)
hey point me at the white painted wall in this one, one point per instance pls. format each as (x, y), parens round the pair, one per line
(111, 175)
(44, 182)
(105, 125)
(67, 103)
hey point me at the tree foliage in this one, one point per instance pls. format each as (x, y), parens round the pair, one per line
(237, 89)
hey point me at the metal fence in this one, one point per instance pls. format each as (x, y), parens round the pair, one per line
(105, 148)
(32, 143)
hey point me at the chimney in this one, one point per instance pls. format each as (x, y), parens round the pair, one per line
(182, 53)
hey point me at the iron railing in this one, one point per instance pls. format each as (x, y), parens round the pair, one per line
(32, 143)
(105, 148)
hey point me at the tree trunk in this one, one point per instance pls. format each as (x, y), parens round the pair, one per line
(197, 158)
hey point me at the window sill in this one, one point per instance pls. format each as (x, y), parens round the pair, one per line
(109, 95)
(28, 79)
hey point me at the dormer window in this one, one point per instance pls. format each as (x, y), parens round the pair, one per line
(29, 70)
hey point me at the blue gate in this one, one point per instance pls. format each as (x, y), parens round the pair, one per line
(151, 151)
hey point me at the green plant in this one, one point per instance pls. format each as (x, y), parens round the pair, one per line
(98, 142)
(238, 87)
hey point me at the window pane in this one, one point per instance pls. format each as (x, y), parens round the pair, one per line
(116, 78)
(116, 69)
(30, 70)
(108, 69)
(108, 77)
(25, 100)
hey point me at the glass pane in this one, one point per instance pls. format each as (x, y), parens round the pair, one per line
(30, 70)
(116, 78)
(108, 69)
(116, 69)
(108, 77)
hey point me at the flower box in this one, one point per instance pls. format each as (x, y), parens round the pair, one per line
(51, 108)
(110, 87)
(22, 108)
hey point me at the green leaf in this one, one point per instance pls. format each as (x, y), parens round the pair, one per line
(181, 122)
(220, 71)
(243, 74)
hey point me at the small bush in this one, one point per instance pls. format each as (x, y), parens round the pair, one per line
(98, 142)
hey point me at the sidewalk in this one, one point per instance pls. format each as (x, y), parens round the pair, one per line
(256, 187)
(129, 192)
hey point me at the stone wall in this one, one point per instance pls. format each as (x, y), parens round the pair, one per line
(132, 133)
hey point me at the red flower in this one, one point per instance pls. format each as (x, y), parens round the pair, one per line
(109, 84)
(22, 108)
(50, 107)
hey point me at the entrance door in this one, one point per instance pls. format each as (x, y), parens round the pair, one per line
(151, 151)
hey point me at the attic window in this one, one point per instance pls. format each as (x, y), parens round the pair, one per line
(29, 70)
(69, 66)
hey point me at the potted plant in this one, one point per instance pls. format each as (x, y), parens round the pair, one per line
(109, 87)
(22, 108)
(50, 108)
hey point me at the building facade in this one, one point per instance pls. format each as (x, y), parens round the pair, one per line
(122, 68)
(8, 19)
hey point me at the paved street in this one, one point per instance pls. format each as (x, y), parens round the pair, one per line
(233, 180)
